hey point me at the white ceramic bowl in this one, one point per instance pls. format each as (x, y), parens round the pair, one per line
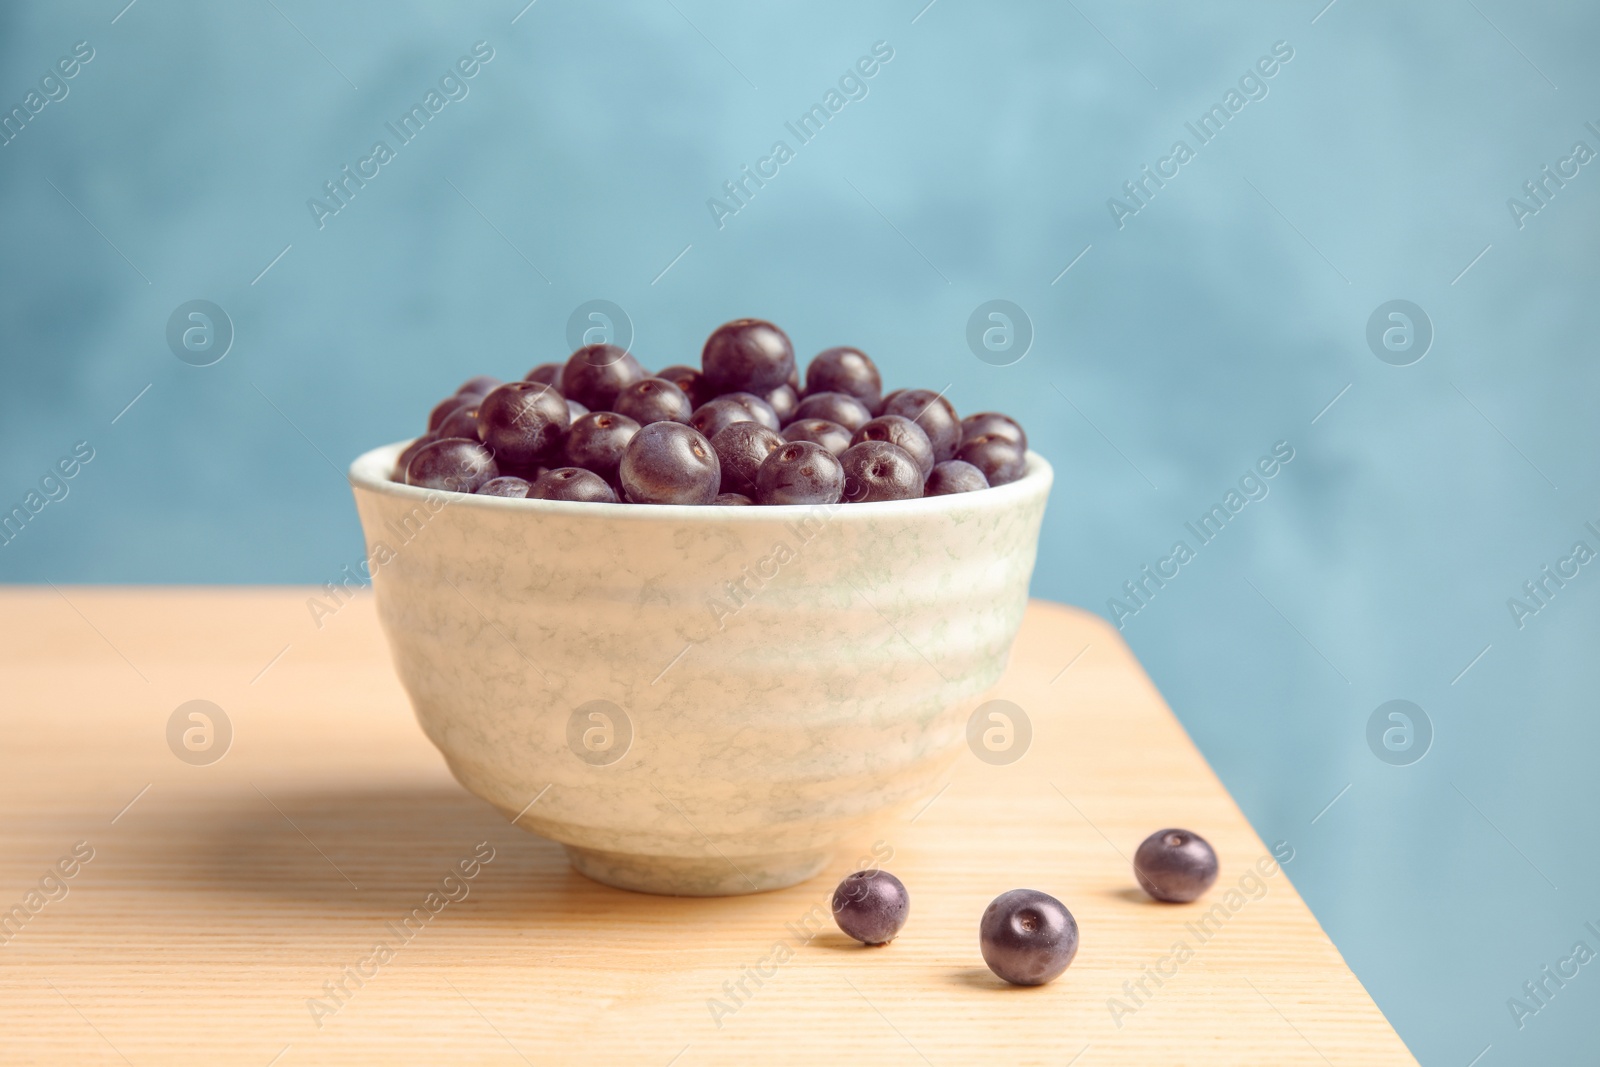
(697, 700)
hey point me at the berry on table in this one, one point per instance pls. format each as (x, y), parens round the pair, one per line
(871, 906)
(1175, 866)
(1027, 937)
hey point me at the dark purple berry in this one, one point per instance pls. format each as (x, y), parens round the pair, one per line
(1176, 866)
(934, 414)
(732, 500)
(482, 385)
(741, 448)
(523, 423)
(1001, 460)
(829, 435)
(783, 401)
(842, 408)
(759, 409)
(845, 370)
(597, 441)
(878, 470)
(800, 472)
(690, 380)
(594, 374)
(653, 400)
(505, 485)
(548, 373)
(994, 423)
(670, 463)
(954, 476)
(463, 421)
(711, 417)
(455, 464)
(871, 906)
(404, 459)
(903, 434)
(575, 410)
(443, 408)
(1027, 937)
(882, 404)
(747, 355)
(572, 483)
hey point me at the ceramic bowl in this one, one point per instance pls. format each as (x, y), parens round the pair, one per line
(697, 701)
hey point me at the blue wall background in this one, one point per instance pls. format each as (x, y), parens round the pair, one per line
(1221, 318)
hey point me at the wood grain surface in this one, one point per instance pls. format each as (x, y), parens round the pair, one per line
(224, 905)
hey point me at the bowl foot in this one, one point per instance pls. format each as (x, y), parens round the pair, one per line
(680, 876)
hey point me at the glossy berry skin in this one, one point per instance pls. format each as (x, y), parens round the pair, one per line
(1001, 460)
(903, 434)
(747, 355)
(829, 435)
(878, 470)
(652, 400)
(741, 448)
(845, 370)
(1027, 937)
(783, 401)
(993, 422)
(463, 421)
(759, 409)
(670, 463)
(508, 485)
(595, 373)
(1175, 866)
(954, 476)
(597, 441)
(800, 472)
(548, 373)
(871, 906)
(734, 500)
(454, 464)
(842, 408)
(575, 410)
(690, 380)
(934, 414)
(443, 408)
(712, 416)
(572, 483)
(403, 460)
(523, 423)
(481, 385)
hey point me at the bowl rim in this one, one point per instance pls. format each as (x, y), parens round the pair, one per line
(370, 472)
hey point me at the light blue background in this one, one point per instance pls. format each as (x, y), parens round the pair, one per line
(1223, 318)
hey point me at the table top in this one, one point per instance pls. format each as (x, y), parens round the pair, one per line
(158, 909)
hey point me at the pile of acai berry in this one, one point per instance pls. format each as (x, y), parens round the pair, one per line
(740, 429)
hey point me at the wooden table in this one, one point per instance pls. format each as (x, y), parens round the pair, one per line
(222, 897)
